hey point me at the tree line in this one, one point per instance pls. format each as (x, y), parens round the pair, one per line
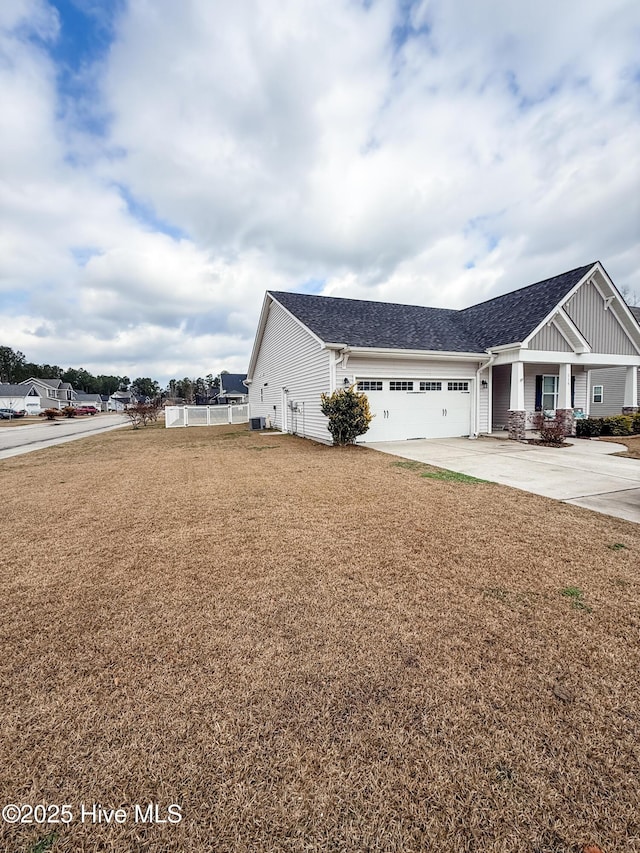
(15, 368)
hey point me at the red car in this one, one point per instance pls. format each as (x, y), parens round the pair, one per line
(86, 410)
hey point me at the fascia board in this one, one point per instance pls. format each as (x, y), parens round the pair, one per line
(262, 322)
(560, 304)
(430, 355)
(298, 321)
(564, 319)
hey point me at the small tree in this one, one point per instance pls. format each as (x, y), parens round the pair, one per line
(551, 431)
(141, 414)
(69, 412)
(348, 413)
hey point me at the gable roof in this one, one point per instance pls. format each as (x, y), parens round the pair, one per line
(502, 320)
(49, 383)
(7, 389)
(635, 310)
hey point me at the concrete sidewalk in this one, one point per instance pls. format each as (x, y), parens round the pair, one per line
(585, 474)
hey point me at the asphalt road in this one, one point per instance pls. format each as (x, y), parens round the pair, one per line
(16, 440)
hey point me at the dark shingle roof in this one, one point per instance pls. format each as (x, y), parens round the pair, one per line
(359, 323)
(232, 383)
(635, 310)
(9, 390)
(502, 320)
(511, 318)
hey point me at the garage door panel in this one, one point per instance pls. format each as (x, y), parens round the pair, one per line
(405, 414)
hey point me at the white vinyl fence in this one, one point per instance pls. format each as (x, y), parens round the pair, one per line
(183, 416)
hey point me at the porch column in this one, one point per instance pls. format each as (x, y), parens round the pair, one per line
(517, 415)
(630, 405)
(564, 410)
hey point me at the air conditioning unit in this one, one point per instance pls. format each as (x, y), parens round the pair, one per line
(257, 423)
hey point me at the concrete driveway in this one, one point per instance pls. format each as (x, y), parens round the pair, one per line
(585, 474)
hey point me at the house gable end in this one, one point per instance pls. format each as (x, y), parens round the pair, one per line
(599, 312)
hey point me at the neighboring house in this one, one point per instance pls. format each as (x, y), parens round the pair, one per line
(82, 398)
(53, 393)
(232, 389)
(119, 400)
(607, 387)
(433, 372)
(19, 397)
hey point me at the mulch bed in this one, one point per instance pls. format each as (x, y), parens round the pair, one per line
(311, 649)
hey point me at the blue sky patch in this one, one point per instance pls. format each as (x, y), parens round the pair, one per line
(312, 286)
(146, 215)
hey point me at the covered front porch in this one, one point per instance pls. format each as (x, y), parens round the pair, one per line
(521, 388)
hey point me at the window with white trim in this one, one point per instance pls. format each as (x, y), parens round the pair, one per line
(370, 385)
(431, 386)
(458, 386)
(550, 392)
(598, 393)
(401, 385)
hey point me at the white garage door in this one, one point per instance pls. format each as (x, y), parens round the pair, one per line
(417, 408)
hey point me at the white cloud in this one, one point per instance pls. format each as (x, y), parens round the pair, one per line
(253, 146)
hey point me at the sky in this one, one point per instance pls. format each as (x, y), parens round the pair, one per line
(163, 164)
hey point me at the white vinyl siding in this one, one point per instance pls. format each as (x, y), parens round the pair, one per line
(501, 383)
(403, 368)
(291, 358)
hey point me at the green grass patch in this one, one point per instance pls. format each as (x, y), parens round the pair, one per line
(431, 473)
(617, 546)
(44, 844)
(576, 596)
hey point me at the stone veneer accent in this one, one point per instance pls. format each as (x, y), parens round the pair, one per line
(516, 423)
(564, 417)
(630, 410)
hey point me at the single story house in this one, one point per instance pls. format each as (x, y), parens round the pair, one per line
(232, 391)
(83, 398)
(19, 397)
(435, 372)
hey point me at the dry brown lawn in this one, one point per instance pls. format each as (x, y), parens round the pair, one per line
(311, 649)
(631, 442)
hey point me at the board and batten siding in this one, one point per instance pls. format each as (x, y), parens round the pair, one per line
(550, 339)
(599, 326)
(612, 380)
(290, 357)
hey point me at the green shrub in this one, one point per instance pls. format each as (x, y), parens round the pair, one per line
(348, 413)
(635, 423)
(589, 428)
(617, 425)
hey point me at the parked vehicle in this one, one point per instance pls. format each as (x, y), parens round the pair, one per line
(8, 414)
(86, 410)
